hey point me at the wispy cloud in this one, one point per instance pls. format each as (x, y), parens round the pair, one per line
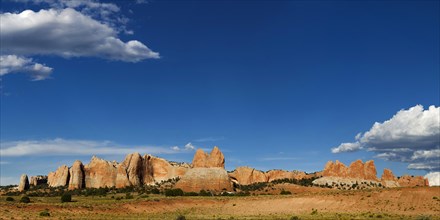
(209, 139)
(278, 158)
(61, 146)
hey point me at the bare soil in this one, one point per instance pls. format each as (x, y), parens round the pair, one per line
(305, 203)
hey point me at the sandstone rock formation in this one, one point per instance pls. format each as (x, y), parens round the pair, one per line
(388, 179)
(77, 176)
(356, 170)
(410, 181)
(214, 159)
(59, 178)
(24, 183)
(100, 173)
(336, 169)
(122, 178)
(134, 165)
(247, 175)
(38, 180)
(165, 170)
(213, 179)
(283, 174)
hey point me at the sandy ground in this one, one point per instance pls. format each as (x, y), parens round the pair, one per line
(399, 203)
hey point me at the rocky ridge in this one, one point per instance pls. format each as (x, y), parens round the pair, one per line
(207, 172)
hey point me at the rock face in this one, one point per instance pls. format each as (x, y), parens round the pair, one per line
(356, 170)
(164, 170)
(208, 173)
(213, 179)
(388, 179)
(38, 180)
(283, 174)
(214, 159)
(247, 175)
(122, 178)
(24, 183)
(134, 164)
(133, 171)
(59, 178)
(336, 169)
(410, 181)
(77, 177)
(100, 173)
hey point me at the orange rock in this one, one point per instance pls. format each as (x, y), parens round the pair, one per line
(247, 175)
(122, 178)
(336, 169)
(76, 176)
(213, 179)
(388, 175)
(370, 172)
(134, 164)
(100, 173)
(164, 170)
(59, 178)
(410, 181)
(215, 159)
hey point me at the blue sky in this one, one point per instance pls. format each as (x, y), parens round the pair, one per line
(275, 84)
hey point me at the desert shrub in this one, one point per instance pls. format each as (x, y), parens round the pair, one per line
(314, 212)
(128, 196)
(25, 199)
(181, 217)
(9, 199)
(423, 217)
(66, 197)
(45, 213)
(294, 218)
(174, 192)
(155, 190)
(204, 193)
(190, 194)
(245, 193)
(285, 192)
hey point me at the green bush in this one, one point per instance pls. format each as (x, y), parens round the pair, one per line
(174, 192)
(190, 194)
(128, 196)
(25, 199)
(204, 193)
(9, 199)
(314, 211)
(181, 217)
(294, 218)
(66, 198)
(285, 192)
(45, 213)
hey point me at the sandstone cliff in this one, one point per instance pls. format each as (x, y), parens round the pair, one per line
(58, 178)
(24, 183)
(247, 175)
(214, 159)
(77, 176)
(410, 181)
(208, 173)
(213, 179)
(388, 179)
(38, 180)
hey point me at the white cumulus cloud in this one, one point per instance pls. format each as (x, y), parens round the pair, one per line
(66, 33)
(433, 178)
(411, 136)
(189, 146)
(16, 64)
